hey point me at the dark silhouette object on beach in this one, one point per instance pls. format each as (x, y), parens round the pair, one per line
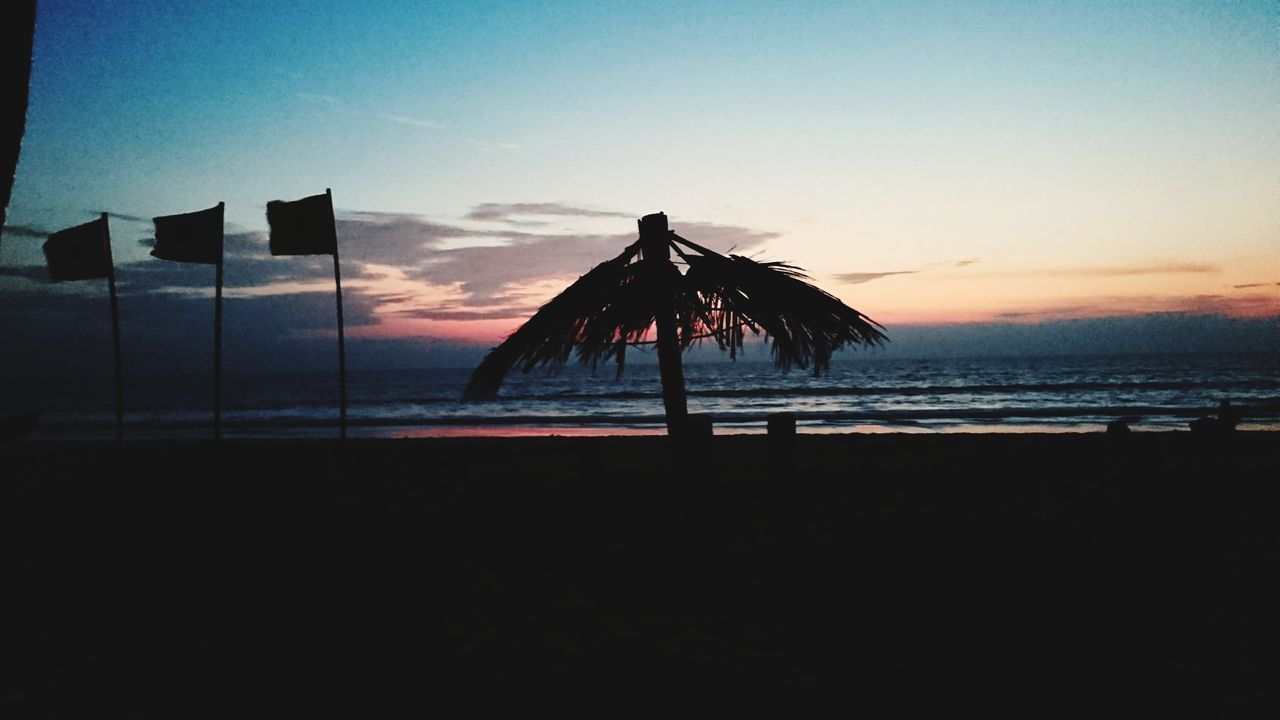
(1225, 422)
(1228, 418)
(1117, 427)
(719, 297)
(18, 425)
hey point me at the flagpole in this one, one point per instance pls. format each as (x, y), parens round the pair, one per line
(342, 351)
(115, 327)
(217, 330)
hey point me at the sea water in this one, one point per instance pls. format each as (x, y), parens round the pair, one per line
(1045, 394)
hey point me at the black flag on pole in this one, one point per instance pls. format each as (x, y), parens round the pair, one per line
(307, 227)
(194, 237)
(83, 252)
(303, 227)
(79, 253)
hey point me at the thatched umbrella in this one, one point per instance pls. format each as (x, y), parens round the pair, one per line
(719, 297)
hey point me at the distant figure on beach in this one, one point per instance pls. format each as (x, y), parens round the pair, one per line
(1117, 426)
(1226, 420)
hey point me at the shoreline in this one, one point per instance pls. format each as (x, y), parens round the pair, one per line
(889, 439)
(992, 422)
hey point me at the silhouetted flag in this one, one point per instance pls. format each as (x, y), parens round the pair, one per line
(306, 227)
(83, 252)
(79, 253)
(303, 227)
(194, 237)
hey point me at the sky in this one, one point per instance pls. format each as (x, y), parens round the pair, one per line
(961, 172)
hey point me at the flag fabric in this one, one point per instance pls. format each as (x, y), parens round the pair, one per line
(303, 227)
(194, 237)
(79, 253)
(306, 227)
(83, 252)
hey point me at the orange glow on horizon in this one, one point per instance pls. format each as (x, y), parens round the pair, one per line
(1031, 314)
(470, 331)
(493, 331)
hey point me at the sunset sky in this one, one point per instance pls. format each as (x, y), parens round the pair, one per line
(930, 163)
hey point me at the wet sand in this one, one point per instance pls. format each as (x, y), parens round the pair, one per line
(1032, 572)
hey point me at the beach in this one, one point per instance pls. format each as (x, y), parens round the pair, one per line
(1031, 572)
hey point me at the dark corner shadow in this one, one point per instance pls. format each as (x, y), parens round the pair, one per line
(17, 30)
(18, 23)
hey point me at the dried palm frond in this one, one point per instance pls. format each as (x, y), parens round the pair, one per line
(804, 323)
(598, 314)
(720, 297)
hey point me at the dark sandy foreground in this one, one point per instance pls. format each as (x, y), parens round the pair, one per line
(1031, 572)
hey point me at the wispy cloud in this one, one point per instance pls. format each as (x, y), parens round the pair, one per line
(416, 122)
(334, 103)
(1101, 271)
(1126, 271)
(955, 263)
(492, 146)
(25, 231)
(859, 278)
(1250, 305)
(128, 218)
(31, 231)
(510, 212)
(501, 276)
(318, 99)
(1255, 285)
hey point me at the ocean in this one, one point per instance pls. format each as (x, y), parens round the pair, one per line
(868, 394)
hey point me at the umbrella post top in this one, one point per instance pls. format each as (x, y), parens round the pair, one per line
(654, 237)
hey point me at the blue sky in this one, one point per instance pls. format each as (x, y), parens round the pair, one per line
(930, 163)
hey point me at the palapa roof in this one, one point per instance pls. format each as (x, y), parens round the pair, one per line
(719, 298)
